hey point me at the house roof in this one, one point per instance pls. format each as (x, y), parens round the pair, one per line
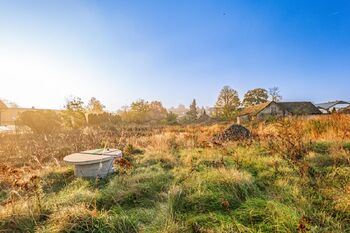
(300, 108)
(253, 110)
(2, 105)
(9, 107)
(295, 108)
(331, 104)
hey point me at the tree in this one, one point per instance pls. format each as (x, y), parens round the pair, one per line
(171, 118)
(74, 104)
(95, 106)
(274, 93)
(191, 115)
(142, 111)
(139, 106)
(255, 96)
(138, 111)
(227, 104)
(74, 116)
(156, 111)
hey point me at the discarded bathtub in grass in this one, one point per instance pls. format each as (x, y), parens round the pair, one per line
(93, 163)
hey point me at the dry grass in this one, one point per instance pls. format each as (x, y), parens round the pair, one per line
(293, 175)
(332, 128)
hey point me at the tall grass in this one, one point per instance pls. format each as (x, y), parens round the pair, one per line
(292, 177)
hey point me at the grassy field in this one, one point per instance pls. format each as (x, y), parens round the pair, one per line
(292, 176)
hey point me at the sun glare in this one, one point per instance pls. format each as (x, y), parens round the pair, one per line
(36, 76)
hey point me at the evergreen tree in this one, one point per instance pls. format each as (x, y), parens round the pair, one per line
(192, 114)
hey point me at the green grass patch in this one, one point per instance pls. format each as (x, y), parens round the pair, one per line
(267, 216)
(320, 147)
(237, 188)
(142, 188)
(80, 219)
(212, 190)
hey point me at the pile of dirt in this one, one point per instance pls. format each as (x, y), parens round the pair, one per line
(232, 133)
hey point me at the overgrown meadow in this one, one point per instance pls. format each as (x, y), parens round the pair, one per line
(293, 175)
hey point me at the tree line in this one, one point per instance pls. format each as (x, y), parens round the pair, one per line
(78, 115)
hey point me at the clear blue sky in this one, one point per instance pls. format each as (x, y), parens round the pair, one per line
(173, 51)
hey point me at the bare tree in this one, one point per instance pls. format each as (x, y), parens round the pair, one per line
(274, 94)
(95, 106)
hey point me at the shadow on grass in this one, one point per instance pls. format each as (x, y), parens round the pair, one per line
(17, 224)
(142, 188)
(55, 181)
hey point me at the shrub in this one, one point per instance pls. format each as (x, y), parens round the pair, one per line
(290, 139)
(41, 122)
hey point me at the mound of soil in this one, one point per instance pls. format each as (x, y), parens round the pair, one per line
(233, 133)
